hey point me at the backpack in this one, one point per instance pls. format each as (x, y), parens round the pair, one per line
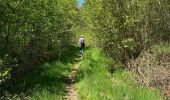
(82, 43)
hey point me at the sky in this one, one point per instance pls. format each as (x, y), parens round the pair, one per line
(81, 2)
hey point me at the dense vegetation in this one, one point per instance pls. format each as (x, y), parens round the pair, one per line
(32, 31)
(131, 54)
(125, 28)
(97, 84)
(135, 34)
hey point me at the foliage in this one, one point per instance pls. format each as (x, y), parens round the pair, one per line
(125, 28)
(34, 30)
(153, 67)
(95, 83)
(5, 67)
(46, 82)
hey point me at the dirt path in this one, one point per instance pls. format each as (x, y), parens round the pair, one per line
(71, 89)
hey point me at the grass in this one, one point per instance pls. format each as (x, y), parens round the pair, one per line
(95, 83)
(47, 82)
(50, 84)
(93, 80)
(162, 48)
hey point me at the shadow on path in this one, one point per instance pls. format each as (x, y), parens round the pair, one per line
(51, 77)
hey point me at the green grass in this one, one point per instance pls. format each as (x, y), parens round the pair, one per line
(95, 83)
(51, 82)
(47, 81)
(161, 49)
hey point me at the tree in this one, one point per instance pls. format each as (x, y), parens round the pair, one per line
(125, 28)
(32, 31)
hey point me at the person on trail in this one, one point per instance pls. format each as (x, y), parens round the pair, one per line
(81, 44)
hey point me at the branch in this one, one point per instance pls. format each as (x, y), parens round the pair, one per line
(145, 82)
(3, 24)
(10, 7)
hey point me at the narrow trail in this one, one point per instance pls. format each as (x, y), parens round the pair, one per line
(71, 89)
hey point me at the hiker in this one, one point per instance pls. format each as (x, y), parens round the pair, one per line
(81, 44)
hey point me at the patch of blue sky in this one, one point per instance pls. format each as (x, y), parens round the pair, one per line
(81, 2)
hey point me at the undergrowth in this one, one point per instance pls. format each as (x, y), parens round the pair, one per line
(46, 82)
(52, 81)
(95, 83)
(161, 49)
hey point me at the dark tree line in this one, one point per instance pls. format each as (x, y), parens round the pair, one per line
(32, 31)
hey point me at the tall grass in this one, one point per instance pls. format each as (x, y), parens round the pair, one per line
(51, 82)
(95, 83)
(161, 49)
(47, 81)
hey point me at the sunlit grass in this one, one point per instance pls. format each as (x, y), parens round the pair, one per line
(50, 80)
(95, 83)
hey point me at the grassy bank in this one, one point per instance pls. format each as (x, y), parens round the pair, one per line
(95, 83)
(46, 82)
(50, 84)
